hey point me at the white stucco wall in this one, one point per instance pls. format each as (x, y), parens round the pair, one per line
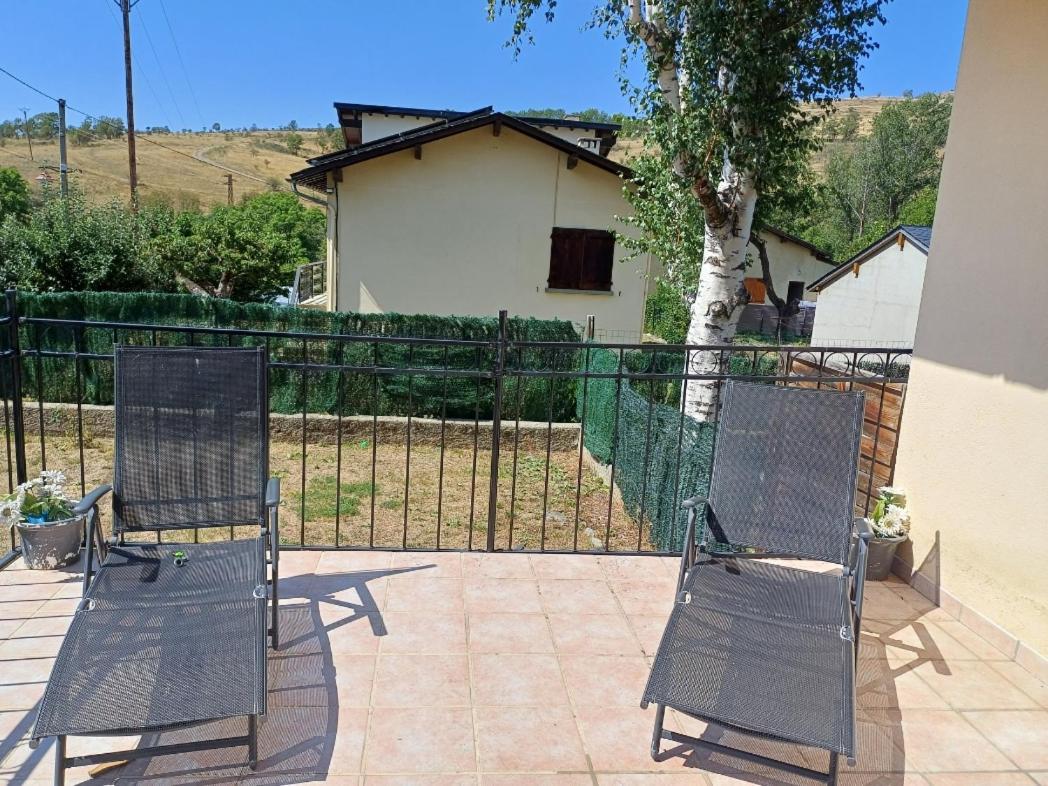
(972, 450)
(466, 230)
(570, 134)
(789, 262)
(876, 308)
(373, 126)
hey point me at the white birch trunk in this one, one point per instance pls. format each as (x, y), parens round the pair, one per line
(721, 293)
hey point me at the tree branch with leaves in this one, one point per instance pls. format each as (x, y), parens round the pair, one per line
(733, 90)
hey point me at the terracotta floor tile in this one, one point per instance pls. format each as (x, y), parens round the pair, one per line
(653, 598)
(422, 593)
(18, 609)
(7, 627)
(422, 680)
(352, 561)
(1022, 736)
(1024, 680)
(30, 647)
(507, 632)
(57, 607)
(937, 641)
(632, 568)
(605, 680)
(497, 566)
(426, 631)
(979, 779)
(528, 739)
(516, 596)
(943, 741)
(596, 634)
(577, 596)
(15, 593)
(43, 626)
(420, 780)
(425, 740)
(618, 739)
(517, 680)
(1040, 777)
(972, 685)
(846, 778)
(536, 779)
(648, 630)
(565, 566)
(883, 684)
(347, 632)
(654, 779)
(443, 565)
(883, 602)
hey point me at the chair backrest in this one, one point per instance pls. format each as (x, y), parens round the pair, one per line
(784, 469)
(191, 437)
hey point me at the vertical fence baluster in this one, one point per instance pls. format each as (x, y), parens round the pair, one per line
(516, 447)
(496, 432)
(582, 437)
(645, 467)
(443, 423)
(549, 451)
(374, 439)
(407, 452)
(39, 364)
(78, 370)
(476, 444)
(340, 397)
(614, 449)
(305, 398)
(17, 411)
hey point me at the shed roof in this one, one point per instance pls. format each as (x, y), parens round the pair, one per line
(315, 176)
(919, 236)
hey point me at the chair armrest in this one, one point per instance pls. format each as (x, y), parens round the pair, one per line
(694, 502)
(91, 499)
(273, 492)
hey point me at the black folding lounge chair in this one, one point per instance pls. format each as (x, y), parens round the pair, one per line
(173, 635)
(763, 647)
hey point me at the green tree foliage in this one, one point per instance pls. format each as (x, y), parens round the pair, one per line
(293, 141)
(14, 194)
(246, 252)
(874, 182)
(70, 244)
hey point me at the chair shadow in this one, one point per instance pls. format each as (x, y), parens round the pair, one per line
(298, 735)
(880, 743)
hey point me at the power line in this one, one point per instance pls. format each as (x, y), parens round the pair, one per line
(160, 66)
(181, 62)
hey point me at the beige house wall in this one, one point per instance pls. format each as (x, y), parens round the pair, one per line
(789, 262)
(877, 307)
(974, 443)
(466, 230)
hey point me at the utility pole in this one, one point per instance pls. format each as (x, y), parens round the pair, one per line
(229, 189)
(63, 166)
(28, 136)
(132, 165)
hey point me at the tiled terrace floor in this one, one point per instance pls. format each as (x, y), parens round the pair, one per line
(508, 669)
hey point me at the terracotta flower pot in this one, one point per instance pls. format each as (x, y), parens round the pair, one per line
(51, 544)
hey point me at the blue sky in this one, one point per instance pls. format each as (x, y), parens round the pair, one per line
(266, 63)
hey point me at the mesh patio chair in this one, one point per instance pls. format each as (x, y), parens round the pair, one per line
(764, 646)
(170, 635)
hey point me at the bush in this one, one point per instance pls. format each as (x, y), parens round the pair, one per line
(351, 393)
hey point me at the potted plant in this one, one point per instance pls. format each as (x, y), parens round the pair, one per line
(42, 513)
(890, 523)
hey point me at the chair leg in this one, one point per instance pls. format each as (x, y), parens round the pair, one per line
(831, 777)
(656, 735)
(60, 751)
(252, 743)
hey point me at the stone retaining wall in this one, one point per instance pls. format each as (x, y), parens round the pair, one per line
(61, 420)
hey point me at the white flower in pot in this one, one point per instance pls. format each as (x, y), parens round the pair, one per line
(42, 513)
(890, 524)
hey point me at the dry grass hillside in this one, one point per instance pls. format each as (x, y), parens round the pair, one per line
(180, 174)
(867, 108)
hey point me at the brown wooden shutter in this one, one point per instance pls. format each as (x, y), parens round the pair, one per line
(756, 289)
(597, 261)
(565, 250)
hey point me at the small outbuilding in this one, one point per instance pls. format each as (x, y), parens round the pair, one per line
(873, 298)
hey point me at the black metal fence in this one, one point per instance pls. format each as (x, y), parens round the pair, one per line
(454, 465)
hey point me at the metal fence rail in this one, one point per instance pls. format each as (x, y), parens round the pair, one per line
(429, 444)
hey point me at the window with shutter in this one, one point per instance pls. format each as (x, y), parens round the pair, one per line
(581, 259)
(756, 289)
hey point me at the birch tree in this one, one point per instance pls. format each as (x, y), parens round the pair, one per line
(733, 90)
